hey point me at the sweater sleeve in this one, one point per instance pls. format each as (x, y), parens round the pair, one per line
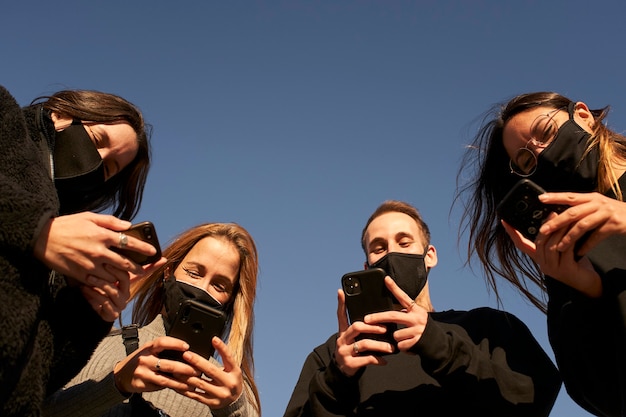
(92, 392)
(89, 398)
(77, 331)
(499, 367)
(240, 408)
(322, 389)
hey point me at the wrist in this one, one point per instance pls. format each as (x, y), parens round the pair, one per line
(117, 380)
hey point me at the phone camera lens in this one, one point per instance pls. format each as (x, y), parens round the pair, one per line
(521, 206)
(352, 285)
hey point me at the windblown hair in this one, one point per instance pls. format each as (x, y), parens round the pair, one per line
(124, 191)
(149, 292)
(393, 206)
(491, 179)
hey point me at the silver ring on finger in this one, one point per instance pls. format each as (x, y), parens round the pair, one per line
(158, 365)
(123, 240)
(355, 348)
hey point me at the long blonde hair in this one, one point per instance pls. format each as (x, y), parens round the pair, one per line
(148, 292)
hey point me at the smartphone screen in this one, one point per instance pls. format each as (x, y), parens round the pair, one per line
(367, 293)
(196, 323)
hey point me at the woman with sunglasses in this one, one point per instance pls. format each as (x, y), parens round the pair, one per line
(578, 259)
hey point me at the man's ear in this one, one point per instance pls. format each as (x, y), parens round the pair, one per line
(430, 259)
(583, 116)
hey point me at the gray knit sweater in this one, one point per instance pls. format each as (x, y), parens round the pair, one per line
(93, 393)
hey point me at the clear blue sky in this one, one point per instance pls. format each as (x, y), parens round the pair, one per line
(296, 119)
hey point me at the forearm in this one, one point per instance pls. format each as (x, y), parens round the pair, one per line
(89, 398)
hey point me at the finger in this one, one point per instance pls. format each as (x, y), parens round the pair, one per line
(168, 343)
(110, 222)
(569, 199)
(118, 293)
(342, 316)
(402, 297)
(227, 358)
(134, 244)
(100, 304)
(525, 245)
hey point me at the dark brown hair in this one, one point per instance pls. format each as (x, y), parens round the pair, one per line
(490, 179)
(124, 191)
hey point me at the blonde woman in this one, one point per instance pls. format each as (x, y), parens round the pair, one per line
(213, 263)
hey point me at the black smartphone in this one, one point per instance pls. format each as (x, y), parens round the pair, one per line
(196, 323)
(367, 293)
(144, 231)
(522, 209)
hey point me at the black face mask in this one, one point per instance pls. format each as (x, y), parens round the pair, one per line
(563, 164)
(178, 291)
(406, 269)
(78, 167)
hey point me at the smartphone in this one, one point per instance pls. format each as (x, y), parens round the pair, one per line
(367, 293)
(522, 209)
(143, 231)
(196, 323)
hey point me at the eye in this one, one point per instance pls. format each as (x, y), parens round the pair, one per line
(220, 287)
(190, 273)
(405, 243)
(543, 129)
(377, 249)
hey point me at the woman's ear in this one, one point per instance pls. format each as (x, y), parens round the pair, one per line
(583, 116)
(60, 122)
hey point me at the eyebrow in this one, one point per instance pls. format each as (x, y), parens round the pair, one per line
(398, 236)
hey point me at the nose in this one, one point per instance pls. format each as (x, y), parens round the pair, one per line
(392, 247)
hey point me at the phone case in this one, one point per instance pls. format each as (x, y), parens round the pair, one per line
(367, 293)
(196, 323)
(522, 209)
(144, 231)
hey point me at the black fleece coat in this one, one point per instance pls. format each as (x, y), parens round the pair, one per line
(47, 329)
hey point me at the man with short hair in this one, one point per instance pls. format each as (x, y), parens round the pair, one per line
(480, 362)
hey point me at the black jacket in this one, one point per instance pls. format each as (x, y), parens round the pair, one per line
(481, 362)
(47, 329)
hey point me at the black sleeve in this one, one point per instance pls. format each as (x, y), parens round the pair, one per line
(322, 389)
(77, 331)
(497, 365)
(589, 346)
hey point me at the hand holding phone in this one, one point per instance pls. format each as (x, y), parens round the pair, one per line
(522, 209)
(196, 323)
(367, 293)
(143, 231)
